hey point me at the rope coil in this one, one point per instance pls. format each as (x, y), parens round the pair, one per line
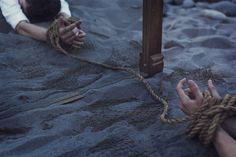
(202, 123)
(53, 37)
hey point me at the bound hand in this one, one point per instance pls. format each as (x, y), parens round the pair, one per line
(79, 40)
(191, 98)
(66, 33)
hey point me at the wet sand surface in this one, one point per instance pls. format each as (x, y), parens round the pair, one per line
(114, 115)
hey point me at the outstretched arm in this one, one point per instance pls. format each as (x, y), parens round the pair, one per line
(224, 144)
(40, 33)
(31, 30)
(191, 99)
(16, 18)
(230, 126)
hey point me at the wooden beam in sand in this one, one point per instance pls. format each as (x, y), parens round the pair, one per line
(151, 59)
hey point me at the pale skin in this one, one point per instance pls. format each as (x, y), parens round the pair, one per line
(40, 33)
(191, 99)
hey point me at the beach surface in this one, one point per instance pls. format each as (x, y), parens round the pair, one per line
(52, 105)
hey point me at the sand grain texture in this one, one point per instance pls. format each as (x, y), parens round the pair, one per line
(115, 116)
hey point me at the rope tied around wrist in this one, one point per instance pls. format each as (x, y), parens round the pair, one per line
(203, 123)
(53, 36)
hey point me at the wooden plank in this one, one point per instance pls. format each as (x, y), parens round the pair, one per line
(151, 59)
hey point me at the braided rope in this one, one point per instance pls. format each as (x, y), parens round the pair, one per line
(202, 123)
(53, 35)
(54, 39)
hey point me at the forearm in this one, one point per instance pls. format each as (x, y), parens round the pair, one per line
(230, 126)
(224, 144)
(33, 31)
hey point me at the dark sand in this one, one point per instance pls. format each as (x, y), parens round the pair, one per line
(115, 116)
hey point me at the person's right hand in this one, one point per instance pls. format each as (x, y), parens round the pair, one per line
(65, 32)
(191, 98)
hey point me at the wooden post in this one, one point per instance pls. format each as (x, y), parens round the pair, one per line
(151, 59)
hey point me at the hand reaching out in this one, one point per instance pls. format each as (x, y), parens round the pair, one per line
(79, 40)
(71, 34)
(191, 98)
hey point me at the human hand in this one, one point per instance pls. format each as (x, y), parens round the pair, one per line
(66, 33)
(229, 125)
(191, 98)
(79, 40)
(213, 91)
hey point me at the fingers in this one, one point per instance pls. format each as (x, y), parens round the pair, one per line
(71, 39)
(212, 89)
(76, 46)
(68, 35)
(195, 90)
(187, 91)
(68, 28)
(77, 43)
(79, 40)
(82, 34)
(68, 38)
(183, 97)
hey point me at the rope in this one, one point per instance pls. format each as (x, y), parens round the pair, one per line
(54, 40)
(202, 123)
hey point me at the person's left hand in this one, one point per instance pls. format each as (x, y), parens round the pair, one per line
(191, 98)
(79, 40)
(66, 33)
(80, 35)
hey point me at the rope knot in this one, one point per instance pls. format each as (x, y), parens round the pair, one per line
(53, 36)
(204, 122)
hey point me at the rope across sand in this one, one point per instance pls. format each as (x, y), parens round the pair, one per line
(203, 123)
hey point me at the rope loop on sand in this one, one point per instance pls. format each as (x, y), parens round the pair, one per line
(202, 123)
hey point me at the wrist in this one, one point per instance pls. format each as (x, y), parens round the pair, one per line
(220, 135)
(229, 125)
